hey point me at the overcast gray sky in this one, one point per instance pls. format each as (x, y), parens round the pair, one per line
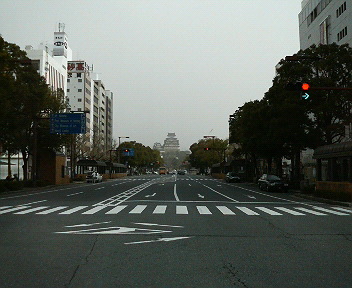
(178, 66)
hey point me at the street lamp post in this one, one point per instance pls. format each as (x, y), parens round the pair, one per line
(119, 149)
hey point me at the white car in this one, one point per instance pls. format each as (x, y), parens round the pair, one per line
(94, 177)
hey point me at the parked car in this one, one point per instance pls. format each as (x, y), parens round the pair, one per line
(94, 177)
(272, 183)
(181, 172)
(232, 177)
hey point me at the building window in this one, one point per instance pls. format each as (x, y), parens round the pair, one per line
(342, 34)
(68, 90)
(79, 99)
(79, 75)
(68, 80)
(79, 109)
(79, 80)
(79, 90)
(341, 9)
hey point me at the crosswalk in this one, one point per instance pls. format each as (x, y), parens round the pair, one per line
(133, 209)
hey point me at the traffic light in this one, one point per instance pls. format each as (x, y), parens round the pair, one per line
(305, 86)
(207, 148)
(298, 86)
(126, 150)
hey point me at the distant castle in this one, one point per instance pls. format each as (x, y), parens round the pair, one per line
(171, 144)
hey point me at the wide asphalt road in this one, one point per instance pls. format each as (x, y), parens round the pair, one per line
(172, 231)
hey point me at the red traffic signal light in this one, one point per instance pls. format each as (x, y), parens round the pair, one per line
(305, 86)
(206, 148)
(126, 150)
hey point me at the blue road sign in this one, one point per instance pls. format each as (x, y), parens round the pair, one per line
(129, 152)
(68, 123)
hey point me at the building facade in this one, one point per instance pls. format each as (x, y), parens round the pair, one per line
(325, 22)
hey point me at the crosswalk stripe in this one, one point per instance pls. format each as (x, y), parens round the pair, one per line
(13, 209)
(160, 209)
(138, 209)
(181, 210)
(117, 209)
(45, 212)
(73, 210)
(330, 211)
(290, 211)
(203, 210)
(269, 211)
(226, 211)
(342, 209)
(310, 211)
(94, 210)
(31, 210)
(247, 211)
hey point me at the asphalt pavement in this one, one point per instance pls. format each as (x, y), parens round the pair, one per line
(172, 231)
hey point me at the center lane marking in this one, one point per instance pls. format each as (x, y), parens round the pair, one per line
(219, 193)
(175, 193)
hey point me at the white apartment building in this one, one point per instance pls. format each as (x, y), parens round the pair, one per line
(325, 22)
(79, 89)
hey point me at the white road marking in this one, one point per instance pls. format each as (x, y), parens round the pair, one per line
(31, 210)
(220, 193)
(181, 210)
(147, 196)
(269, 211)
(310, 211)
(114, 230)
(74, 194)
(330, 211)
(203, 210)
(13, 209)
(249, 196)
(87, 225)
(247, 211)
(289, 211)
(73, 210)
(160, 209)
(138, 209)
(159, 240)
(32, 203)
(226, 211)
(4, 207)
(175, 193)
(161, 225)
(116, 210)
(94, 210)
(200, 196)
(51, 210)
(342, 209)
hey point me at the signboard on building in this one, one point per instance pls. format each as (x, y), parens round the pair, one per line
(68, 123)
(76, 66)
(60, 44)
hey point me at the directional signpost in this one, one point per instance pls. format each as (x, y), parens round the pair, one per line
(68, 123)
